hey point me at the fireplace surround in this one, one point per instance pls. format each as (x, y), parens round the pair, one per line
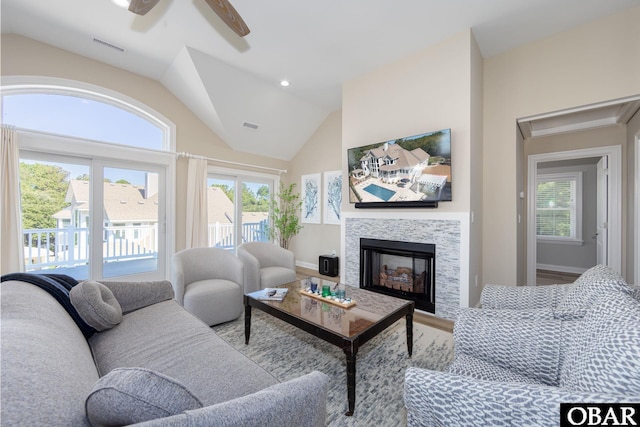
(449, 231)
(401, 269)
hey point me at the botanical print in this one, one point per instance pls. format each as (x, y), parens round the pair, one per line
(311, 198)
(332, 197)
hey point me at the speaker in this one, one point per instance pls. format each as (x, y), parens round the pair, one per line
(329, 265)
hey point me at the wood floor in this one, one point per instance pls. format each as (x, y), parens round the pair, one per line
(548, 277)
(418, 317)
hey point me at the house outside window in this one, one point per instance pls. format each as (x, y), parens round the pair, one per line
(559, 207)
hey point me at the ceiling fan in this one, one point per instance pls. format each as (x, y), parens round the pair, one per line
(221, 7)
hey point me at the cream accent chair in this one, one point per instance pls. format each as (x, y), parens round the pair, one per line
(209, 283)
(266, 265)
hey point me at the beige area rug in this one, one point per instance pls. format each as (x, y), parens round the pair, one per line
(289, 352)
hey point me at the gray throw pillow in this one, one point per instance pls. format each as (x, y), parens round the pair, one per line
(132, 395)
(590, 286)
(604, 355)
(96, 304)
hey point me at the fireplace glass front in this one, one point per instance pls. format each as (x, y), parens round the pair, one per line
(401, 269)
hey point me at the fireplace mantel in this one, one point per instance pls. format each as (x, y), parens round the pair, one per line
(448, 231)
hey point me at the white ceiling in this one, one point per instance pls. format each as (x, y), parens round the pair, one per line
(317, 45)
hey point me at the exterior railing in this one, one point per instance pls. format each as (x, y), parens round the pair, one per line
(50, 248)
(222, 235)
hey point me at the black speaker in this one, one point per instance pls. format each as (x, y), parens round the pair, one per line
(329, 265)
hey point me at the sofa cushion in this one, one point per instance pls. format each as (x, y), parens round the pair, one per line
(168, 339)
(131, 395)
(591, 284)
(604, 357)
(96, 304)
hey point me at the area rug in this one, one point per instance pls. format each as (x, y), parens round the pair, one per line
(288, 352)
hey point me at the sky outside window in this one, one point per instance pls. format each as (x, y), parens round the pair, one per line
(82, 118)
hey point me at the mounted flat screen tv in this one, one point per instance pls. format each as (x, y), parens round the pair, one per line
(414, 171)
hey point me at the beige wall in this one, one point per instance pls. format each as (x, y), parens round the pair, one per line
(25, 57)
(427, 91)
(439, 87)
(593, 63)
(322, 153)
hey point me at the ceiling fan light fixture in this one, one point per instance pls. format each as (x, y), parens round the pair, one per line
(284, 83)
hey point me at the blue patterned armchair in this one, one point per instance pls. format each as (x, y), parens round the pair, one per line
(515, 367)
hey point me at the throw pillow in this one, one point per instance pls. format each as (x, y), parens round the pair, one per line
(590, 286)
(96, 304)
(604, 356)
(132, 395)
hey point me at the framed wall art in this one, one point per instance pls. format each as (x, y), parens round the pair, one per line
(332, 185)
(310, 195)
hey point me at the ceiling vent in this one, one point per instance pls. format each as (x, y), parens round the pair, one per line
(252, 126)
(107, 44)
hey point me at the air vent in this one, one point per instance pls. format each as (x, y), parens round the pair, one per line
(252, 126)
(107, 44)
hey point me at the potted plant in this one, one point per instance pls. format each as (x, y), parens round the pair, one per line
(285, 207)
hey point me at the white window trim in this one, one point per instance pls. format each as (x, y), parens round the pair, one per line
(566, 176)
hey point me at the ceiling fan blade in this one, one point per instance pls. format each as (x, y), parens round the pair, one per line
(141, 7)
(230, 16)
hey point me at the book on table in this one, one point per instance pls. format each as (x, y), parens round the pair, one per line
(269, 294)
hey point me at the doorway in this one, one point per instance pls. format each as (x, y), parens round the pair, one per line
(608, 224)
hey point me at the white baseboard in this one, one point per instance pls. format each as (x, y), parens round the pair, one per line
(561, 268)
(309, 265)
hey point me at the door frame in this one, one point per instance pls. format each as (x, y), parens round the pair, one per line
(614, 238)
(636, 262)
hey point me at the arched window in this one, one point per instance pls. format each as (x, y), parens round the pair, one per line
(97, 179)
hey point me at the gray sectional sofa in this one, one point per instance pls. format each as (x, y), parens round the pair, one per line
(155, 363)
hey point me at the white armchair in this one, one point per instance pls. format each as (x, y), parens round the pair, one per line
(209, 283)
(266, 265)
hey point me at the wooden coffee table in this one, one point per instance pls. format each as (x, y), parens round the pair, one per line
(348, 328)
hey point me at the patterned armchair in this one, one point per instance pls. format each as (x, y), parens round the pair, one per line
(515, 367)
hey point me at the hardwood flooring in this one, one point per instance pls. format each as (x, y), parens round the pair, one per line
(548, 277)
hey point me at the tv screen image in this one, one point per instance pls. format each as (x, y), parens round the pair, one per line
(409, 171)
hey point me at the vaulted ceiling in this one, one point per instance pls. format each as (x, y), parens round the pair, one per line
(232, 83)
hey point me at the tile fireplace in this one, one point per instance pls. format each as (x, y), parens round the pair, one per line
(401, 269)
(448, 231)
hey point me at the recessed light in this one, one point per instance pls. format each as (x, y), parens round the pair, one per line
(284, 83)
(122, 3)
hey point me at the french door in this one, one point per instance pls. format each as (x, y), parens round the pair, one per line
(94, 217)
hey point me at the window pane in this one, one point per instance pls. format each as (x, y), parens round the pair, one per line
(255, 211)
(55, 217)
(130, 234)
(556, 208)
(82, 118)
(221, 211)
